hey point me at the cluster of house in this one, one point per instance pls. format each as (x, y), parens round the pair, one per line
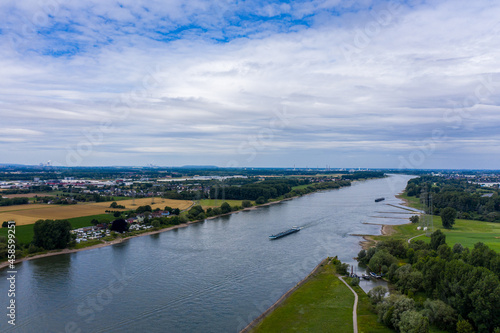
(140, 218)
(139, 227)
(100, 230)
(89, 233)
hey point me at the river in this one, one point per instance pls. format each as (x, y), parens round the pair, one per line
(213, 276)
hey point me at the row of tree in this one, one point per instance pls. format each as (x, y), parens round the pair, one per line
(271, 188)
(468, 199)
(13, 201)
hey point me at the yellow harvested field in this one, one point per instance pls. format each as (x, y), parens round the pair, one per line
(21, 207)
(29, 214)
(158, 203)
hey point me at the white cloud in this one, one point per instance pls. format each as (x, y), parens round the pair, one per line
(420, 72)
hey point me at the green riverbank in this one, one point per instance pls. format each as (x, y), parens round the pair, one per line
(320, 303)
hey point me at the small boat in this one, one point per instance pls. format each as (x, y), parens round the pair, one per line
(379, 199)
(365, 277)
(376, 276)
(285, 233)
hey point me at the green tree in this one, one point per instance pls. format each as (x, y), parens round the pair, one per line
(440, 314)
(377, 294)
(414, 219)
(381, 261)
(260, 201)
(401, 305)
(143, 209)
(119, 225)
(458, 248)
(246, 203)
(413, 322)
(463, 326)
(437, 238)
(51, 234)
(448, 216)
(226, 208)
(195, 211)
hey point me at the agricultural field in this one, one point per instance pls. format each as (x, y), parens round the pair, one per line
(29, 214)
(207, 203)
(21, 207)
(158, 203)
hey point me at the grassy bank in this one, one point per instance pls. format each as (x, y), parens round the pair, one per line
(322, 304)
(206, 203)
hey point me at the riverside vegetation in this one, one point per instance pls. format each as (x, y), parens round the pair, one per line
(438, 286)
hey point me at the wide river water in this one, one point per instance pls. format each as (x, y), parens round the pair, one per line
(214, 276)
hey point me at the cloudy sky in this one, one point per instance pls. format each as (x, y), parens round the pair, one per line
(396, 84)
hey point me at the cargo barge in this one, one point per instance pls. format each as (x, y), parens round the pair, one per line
(285, 233)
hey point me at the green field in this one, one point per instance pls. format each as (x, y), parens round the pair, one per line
(412, 201)
(468, 233)
(24, 233)
(322, 304)
(205, 203)
(465, 232)
(300, 187)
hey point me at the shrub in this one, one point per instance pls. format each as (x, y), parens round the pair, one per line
(260, 201)
(225, 208)
(246, 203)
(354, 282)
(377, 294)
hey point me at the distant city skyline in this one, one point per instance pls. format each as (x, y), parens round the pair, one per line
(366, 84)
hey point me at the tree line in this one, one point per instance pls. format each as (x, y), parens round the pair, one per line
(13, 201)
(270, 188)
(466, 198)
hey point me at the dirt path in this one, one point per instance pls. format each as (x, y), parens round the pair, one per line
(409, 240)
(354, 308)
